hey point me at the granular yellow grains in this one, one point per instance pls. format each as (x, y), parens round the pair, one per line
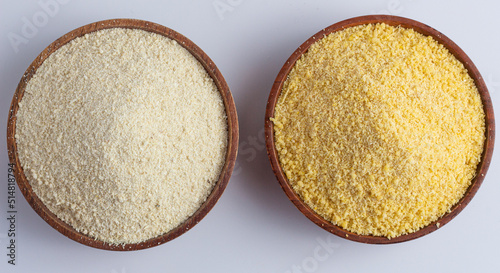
(122, 134)
(379, 129)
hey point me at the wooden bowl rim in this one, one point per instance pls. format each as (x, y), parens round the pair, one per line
(232, 123)
(423, 29)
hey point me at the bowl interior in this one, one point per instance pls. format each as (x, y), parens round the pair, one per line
(232, 122)
(393, 21)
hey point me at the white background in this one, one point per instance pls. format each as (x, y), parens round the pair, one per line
(254, 227)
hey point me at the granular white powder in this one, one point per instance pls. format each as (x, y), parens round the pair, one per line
(122, 134)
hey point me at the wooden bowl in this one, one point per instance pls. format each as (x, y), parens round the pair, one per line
(232, 121)
(423, 29)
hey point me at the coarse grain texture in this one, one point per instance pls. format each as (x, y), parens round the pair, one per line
(122, 134)
(379, 129)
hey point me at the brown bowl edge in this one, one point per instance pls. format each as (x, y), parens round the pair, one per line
(232, 148)
(457, 52)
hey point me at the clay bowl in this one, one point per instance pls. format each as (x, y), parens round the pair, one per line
(232, 122)
(423, 29)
